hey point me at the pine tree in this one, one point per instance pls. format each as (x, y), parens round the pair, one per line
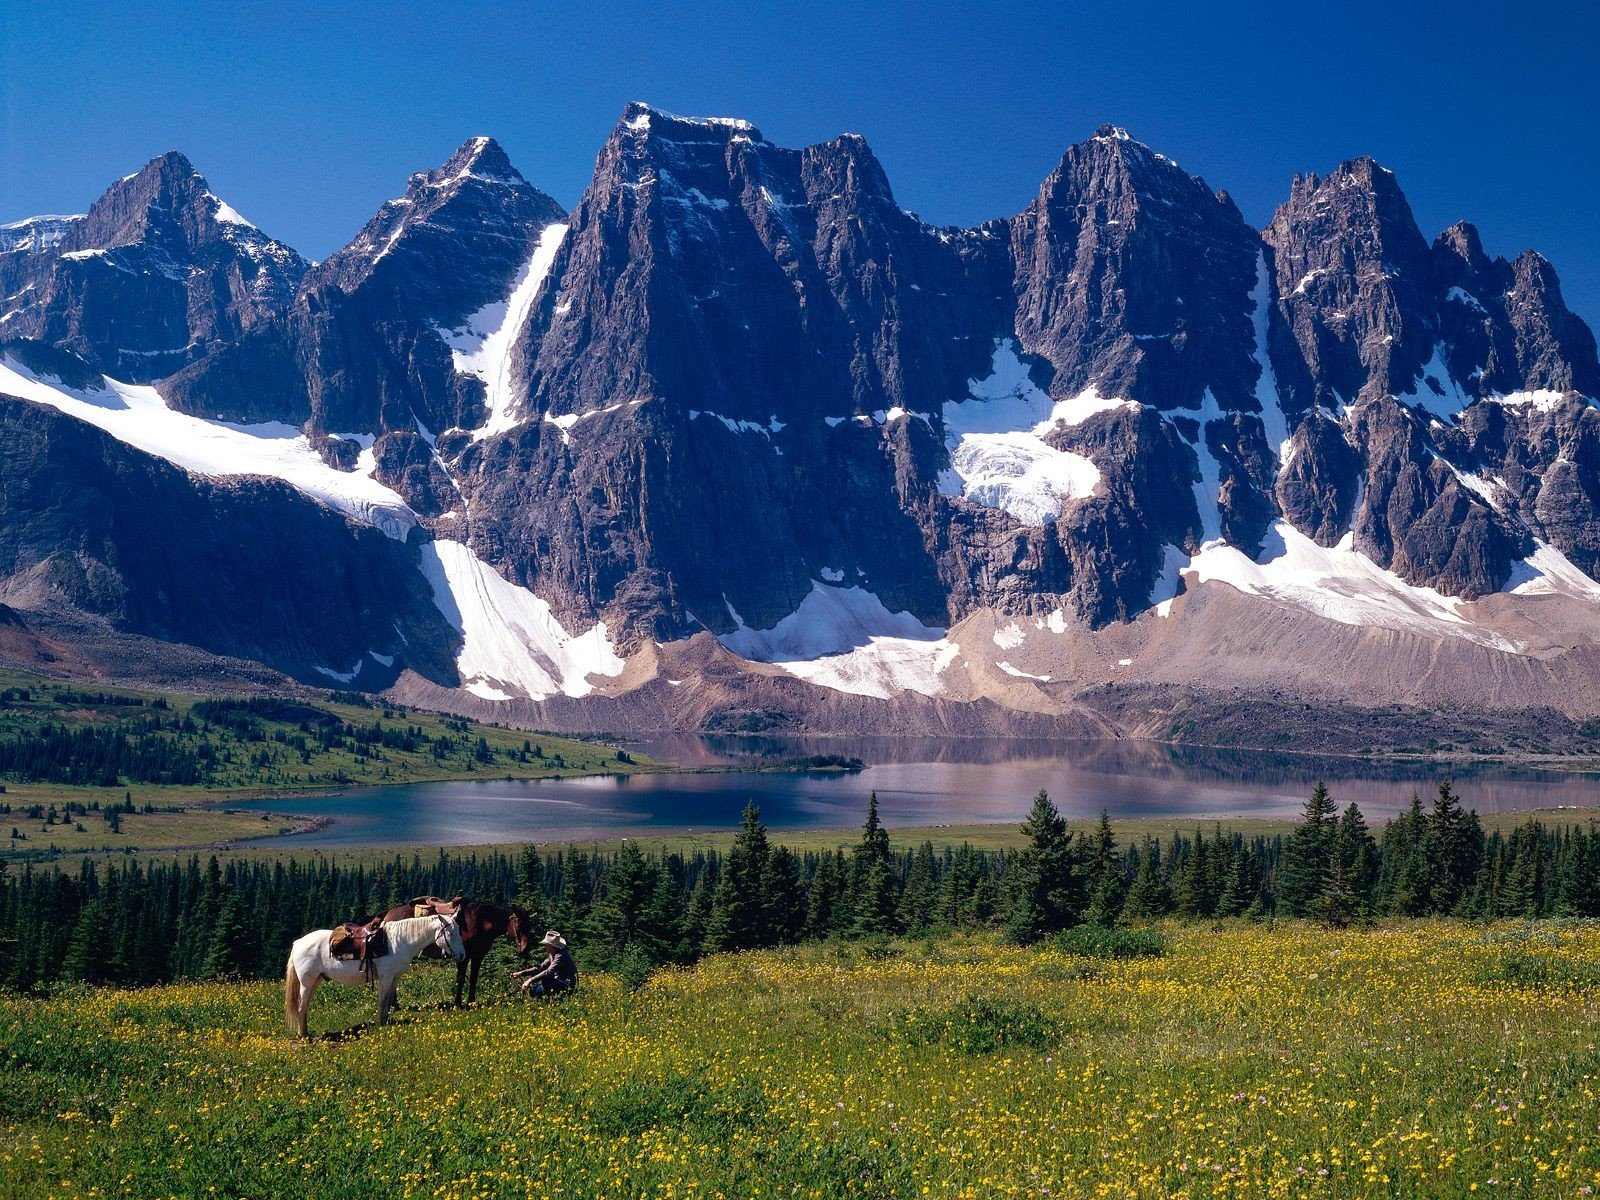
(1348, 893)
(784, 898)
(918, 899)
(738, 919)
(1147, 896)
(1308, 859)
(234, 949)
(85, 955)
(1455, 848)
(1242, 886)
(825, 897)
(1403, 878)
(873, 876)
(1041, 884)
(626, 888)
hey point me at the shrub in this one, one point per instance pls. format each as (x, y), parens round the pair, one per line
(1095, 941)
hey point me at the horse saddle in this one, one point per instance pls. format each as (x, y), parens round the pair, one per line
(363, 943)
(432, 906)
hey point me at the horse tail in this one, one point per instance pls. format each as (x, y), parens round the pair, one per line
(291, 996)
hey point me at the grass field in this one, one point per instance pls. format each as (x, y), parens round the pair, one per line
(1422, 1060)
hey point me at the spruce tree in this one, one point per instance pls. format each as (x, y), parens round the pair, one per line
(1455, 847)
(1308, 859)
(738, 919)
(625, 890)
(824, 898)
(1242, 887)
(1403, 879)
(1041, 893)
(783, 899)
(918, 899)
(876, 900)
(1353, 875)
(234, 946)
(1147, 895)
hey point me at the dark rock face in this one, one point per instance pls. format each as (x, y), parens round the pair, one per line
(362, 347)
(1353, 285)
(247, 568)
(1450, 488)
(1131, 276)
(730, 315)
(159, 272)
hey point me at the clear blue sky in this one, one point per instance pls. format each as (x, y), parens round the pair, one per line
(306, 116)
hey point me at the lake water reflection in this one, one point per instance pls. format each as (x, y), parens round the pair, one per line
(919, 782)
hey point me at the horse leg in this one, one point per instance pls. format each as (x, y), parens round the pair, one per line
(307, 991)
(472, 990)
(385, 999)
(461, 976)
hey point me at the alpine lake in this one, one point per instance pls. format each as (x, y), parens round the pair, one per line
(920, 782)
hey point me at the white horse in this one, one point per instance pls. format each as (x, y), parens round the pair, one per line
(310, 964)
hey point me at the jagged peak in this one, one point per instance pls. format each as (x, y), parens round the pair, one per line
(641, 118)
(479, 159)
(1463, 240)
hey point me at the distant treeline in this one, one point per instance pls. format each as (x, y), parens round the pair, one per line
(158, 748)
(137, 924)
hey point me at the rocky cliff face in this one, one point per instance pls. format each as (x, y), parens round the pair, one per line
(740, 389)
(92, 527)
(157, 274)
(373, 341)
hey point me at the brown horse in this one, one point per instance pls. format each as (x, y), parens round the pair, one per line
(479, 923)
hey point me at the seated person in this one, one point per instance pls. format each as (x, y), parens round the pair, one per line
(556, 974)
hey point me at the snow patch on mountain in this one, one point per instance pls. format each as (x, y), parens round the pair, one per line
(1020, 674)
(1548, 572)
(139, 417)
(1435, 391)
(845, 639)
(511, 643)
(1273, 421)
(1338, 583)
(482, 345)
(998, 456)
(1010, 637)
(1208, 490)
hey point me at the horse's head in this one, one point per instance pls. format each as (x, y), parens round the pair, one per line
(519, 930)
(448, 938)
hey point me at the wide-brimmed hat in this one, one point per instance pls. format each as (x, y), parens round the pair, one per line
(555, 940)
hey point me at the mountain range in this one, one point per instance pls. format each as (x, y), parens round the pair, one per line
(741, 444)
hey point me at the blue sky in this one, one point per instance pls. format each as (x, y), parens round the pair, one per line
(306, 116)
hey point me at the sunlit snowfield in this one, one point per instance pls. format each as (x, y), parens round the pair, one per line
(1428, 1059)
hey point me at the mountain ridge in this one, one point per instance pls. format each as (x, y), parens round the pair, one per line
(739, 390)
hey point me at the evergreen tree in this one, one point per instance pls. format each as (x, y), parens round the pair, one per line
(234, 949)
(1041, 879)
(872, 871)
(1455, 846)
(1147, 896)
(824, 900)
(1308, 859)
(738, 919)
(920, 896)
(1241, 888)
(1352, 877)
(85, 954)
(1403, 878)
(784, 898)
(626, 889)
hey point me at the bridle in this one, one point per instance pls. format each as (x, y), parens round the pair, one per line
(442, 938)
